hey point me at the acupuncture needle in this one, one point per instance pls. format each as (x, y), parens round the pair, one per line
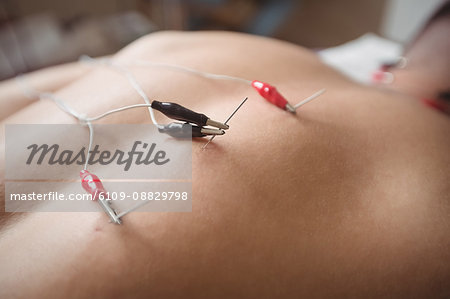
(120, 215)
(310, 98)
(228, 119)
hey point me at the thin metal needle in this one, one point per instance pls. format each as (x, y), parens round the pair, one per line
(310, 98)
(232, 114)
(132, 209)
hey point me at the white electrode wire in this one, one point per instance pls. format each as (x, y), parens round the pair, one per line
(310, 98)
(120, 215)
(134, 83)
(146, 63)
(89, 119)
(139, 62)
(91, 140)
(139, 90)
(32, 93)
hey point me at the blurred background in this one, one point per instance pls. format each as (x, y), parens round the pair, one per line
(39, 33)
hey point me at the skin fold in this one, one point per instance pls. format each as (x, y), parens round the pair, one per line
(348, 198)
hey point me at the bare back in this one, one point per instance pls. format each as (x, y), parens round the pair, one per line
(350, 197)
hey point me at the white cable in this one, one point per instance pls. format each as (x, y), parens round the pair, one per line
(133, 208)
(139, 62)
(139, 90)
(29, 92)
(310, 98)
(134, 83)
(32, 93)
(116, 110)
(91, 139)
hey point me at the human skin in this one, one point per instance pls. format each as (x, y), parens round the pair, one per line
(348, 198)
(12, 99)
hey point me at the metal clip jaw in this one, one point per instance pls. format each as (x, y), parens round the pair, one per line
(290, 108)
(106, 206)
(187, 130)
(195, 122)
(92, 184)
(213, 123)
(178, 112)
(210, 131)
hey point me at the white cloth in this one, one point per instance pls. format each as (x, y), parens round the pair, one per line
(359, 58)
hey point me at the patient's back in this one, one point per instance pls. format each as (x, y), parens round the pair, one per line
(349, 197)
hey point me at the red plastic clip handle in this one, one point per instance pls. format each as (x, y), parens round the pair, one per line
(378, 76)
(434, 104)
(270, 93)
(92, 184)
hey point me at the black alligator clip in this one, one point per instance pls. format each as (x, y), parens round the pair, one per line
(194, 122)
